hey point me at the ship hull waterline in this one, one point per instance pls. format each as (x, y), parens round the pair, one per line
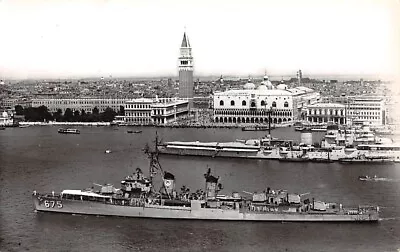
(160, 212)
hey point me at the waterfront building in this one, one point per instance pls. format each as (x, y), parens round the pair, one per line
(155, 111)
(368, 110)
(138, 111)
(253, 105)
(185, 66)
(87, 104)
(327, 113)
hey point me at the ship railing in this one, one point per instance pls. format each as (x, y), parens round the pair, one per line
(150, 205)
(48, 195)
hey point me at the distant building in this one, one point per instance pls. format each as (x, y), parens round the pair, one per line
(147, 111)
(10, 103)
(252, 105)
(186, 71)
(202, 102)
(87, 104)
(369, 110)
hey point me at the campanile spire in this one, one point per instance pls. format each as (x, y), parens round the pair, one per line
(185, 66)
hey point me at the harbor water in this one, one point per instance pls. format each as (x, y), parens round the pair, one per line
(38, 158)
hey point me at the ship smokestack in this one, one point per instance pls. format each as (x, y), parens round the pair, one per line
(169, 182)
(211, 185)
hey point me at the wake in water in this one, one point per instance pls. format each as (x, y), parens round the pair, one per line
(389, 218)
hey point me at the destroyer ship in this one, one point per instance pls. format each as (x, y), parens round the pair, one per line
(138, 197)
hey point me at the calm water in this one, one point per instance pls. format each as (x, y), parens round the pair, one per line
(38, 158)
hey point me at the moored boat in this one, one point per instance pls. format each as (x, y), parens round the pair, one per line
(257, 128)
(366, 160)
(68, 131)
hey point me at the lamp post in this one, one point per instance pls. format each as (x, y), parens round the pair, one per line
(269, 112)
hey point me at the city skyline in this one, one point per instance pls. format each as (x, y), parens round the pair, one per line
(71, 39)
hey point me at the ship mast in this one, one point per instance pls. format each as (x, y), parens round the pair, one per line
(155, 165)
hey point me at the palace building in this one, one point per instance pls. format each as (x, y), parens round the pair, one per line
(253, 104)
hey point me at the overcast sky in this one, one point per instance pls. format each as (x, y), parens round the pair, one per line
(139, 38)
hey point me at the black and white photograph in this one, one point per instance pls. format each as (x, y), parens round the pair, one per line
(150, 125)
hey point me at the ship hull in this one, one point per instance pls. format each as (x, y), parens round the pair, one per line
(194, 212)
(277, 154)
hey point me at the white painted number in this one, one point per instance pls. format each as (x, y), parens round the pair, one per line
(52, 203)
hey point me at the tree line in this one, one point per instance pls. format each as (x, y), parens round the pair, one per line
(40, 114)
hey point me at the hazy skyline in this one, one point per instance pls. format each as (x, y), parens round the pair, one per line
(51, 39)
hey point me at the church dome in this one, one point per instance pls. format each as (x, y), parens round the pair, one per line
(262, 87)
(282, 86)
(266, 83)
(249, 85)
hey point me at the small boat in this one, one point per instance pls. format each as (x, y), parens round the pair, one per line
(130, 131)
(299, 128)
(374, 178)
(24, 126)
(364, 159)
(108, 151)
(68, 131)
(137, 131)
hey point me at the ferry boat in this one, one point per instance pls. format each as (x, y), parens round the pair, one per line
(134, 131)
(137, 197)
(68, 131)
(257, 128)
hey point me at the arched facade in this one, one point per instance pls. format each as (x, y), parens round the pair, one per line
(258, 105)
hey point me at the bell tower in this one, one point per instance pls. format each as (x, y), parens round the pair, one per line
(185, 66)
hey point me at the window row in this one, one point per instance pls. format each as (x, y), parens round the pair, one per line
(253, 104)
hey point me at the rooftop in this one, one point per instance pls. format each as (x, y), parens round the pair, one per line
(326, 105)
